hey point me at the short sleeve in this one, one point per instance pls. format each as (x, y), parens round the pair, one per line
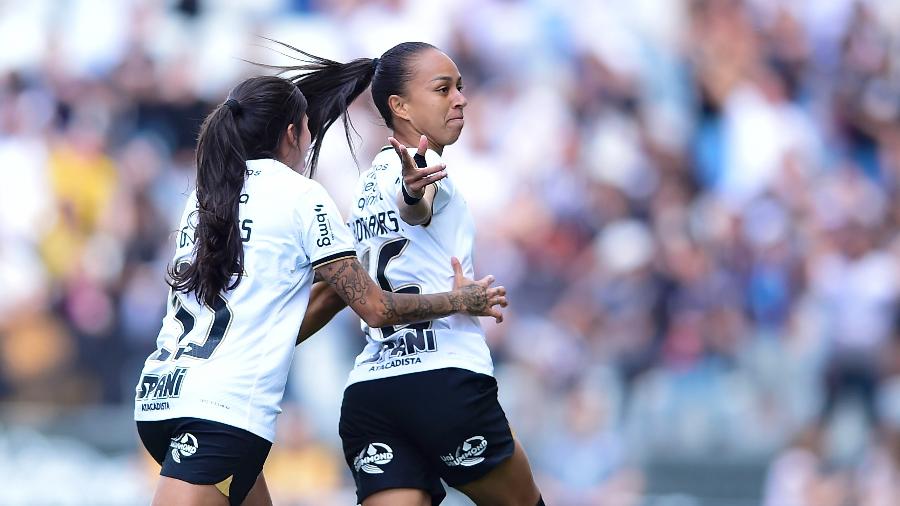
(324, 234)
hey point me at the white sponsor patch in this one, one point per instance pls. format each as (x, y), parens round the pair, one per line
(372, 456)
(468, 453)
(184, 445)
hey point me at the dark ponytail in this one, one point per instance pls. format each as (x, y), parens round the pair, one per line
(249, 125)
(330, 87)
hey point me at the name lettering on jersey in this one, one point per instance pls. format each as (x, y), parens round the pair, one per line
(246, 229)
(399, 351)
(251, 172)
(375, 224)
(167, 386)
(325, 234)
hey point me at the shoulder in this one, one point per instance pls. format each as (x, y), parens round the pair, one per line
(281, 179)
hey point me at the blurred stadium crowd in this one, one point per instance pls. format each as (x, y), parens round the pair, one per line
(693, 204)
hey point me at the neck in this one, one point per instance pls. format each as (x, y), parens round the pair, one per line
(410, 137)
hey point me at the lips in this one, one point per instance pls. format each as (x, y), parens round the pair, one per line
(459, 119)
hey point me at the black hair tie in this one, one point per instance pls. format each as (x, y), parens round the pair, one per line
(234, 105)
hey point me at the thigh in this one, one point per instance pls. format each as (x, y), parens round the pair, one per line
(509, 484)
(170, 491)
(206, 453)
(399, 497)
(259, 494)
(381, 456)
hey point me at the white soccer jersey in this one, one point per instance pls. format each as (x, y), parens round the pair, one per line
(229, 363)
(414, 259)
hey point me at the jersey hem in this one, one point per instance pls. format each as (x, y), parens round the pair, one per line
(258, 429)
(359, 375)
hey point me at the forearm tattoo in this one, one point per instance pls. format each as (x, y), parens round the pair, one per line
(352, 283)
(409, 308)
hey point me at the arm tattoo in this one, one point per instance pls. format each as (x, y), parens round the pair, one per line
(401, 308)
(348, 278)
(410, 308)
(471, 299)
(353, 284)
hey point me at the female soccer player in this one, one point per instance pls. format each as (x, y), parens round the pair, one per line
(251, 238)
(421, 402)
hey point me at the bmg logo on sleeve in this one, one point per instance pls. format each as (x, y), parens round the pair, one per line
(183, 445)
(325, 234)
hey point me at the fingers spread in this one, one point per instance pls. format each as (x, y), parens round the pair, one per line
(457, 267)
(424, 177)
(423, 145)
(403, 153)
(487, 280)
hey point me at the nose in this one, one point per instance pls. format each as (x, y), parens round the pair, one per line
(460, 100)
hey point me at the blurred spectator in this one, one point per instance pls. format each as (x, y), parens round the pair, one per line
(700, 196)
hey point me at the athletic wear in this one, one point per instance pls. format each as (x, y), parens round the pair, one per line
(409, 431)
(206, 453)
(229, 363)
(414, 259)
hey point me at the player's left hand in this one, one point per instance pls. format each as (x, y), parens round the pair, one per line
(482, 299)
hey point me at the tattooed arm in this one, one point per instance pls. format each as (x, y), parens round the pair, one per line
(379, 308)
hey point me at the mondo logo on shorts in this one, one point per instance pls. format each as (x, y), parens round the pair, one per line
(467, 454)
(184, 445)
(372, 454)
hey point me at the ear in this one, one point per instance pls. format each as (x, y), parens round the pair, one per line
(292, 135)
(398, 106)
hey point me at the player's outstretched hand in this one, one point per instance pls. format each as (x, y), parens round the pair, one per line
(415, 179)
(479, 298)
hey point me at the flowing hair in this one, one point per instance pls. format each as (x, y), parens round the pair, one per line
(247, 126)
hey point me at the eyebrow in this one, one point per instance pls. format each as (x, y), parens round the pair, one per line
(445, 78)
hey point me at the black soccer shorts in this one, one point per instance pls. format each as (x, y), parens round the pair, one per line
(410, 431)
(204, 452)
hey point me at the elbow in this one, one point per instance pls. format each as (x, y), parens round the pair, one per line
(375, 320)
(374, 315)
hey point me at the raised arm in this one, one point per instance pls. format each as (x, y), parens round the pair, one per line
(379, 308)
(416, 196)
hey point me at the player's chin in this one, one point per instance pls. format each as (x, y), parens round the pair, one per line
(451, 135)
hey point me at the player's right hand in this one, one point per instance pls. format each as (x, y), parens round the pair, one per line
(479, 297)
(415, 179)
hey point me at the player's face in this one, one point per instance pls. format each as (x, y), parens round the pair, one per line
(434, 99)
